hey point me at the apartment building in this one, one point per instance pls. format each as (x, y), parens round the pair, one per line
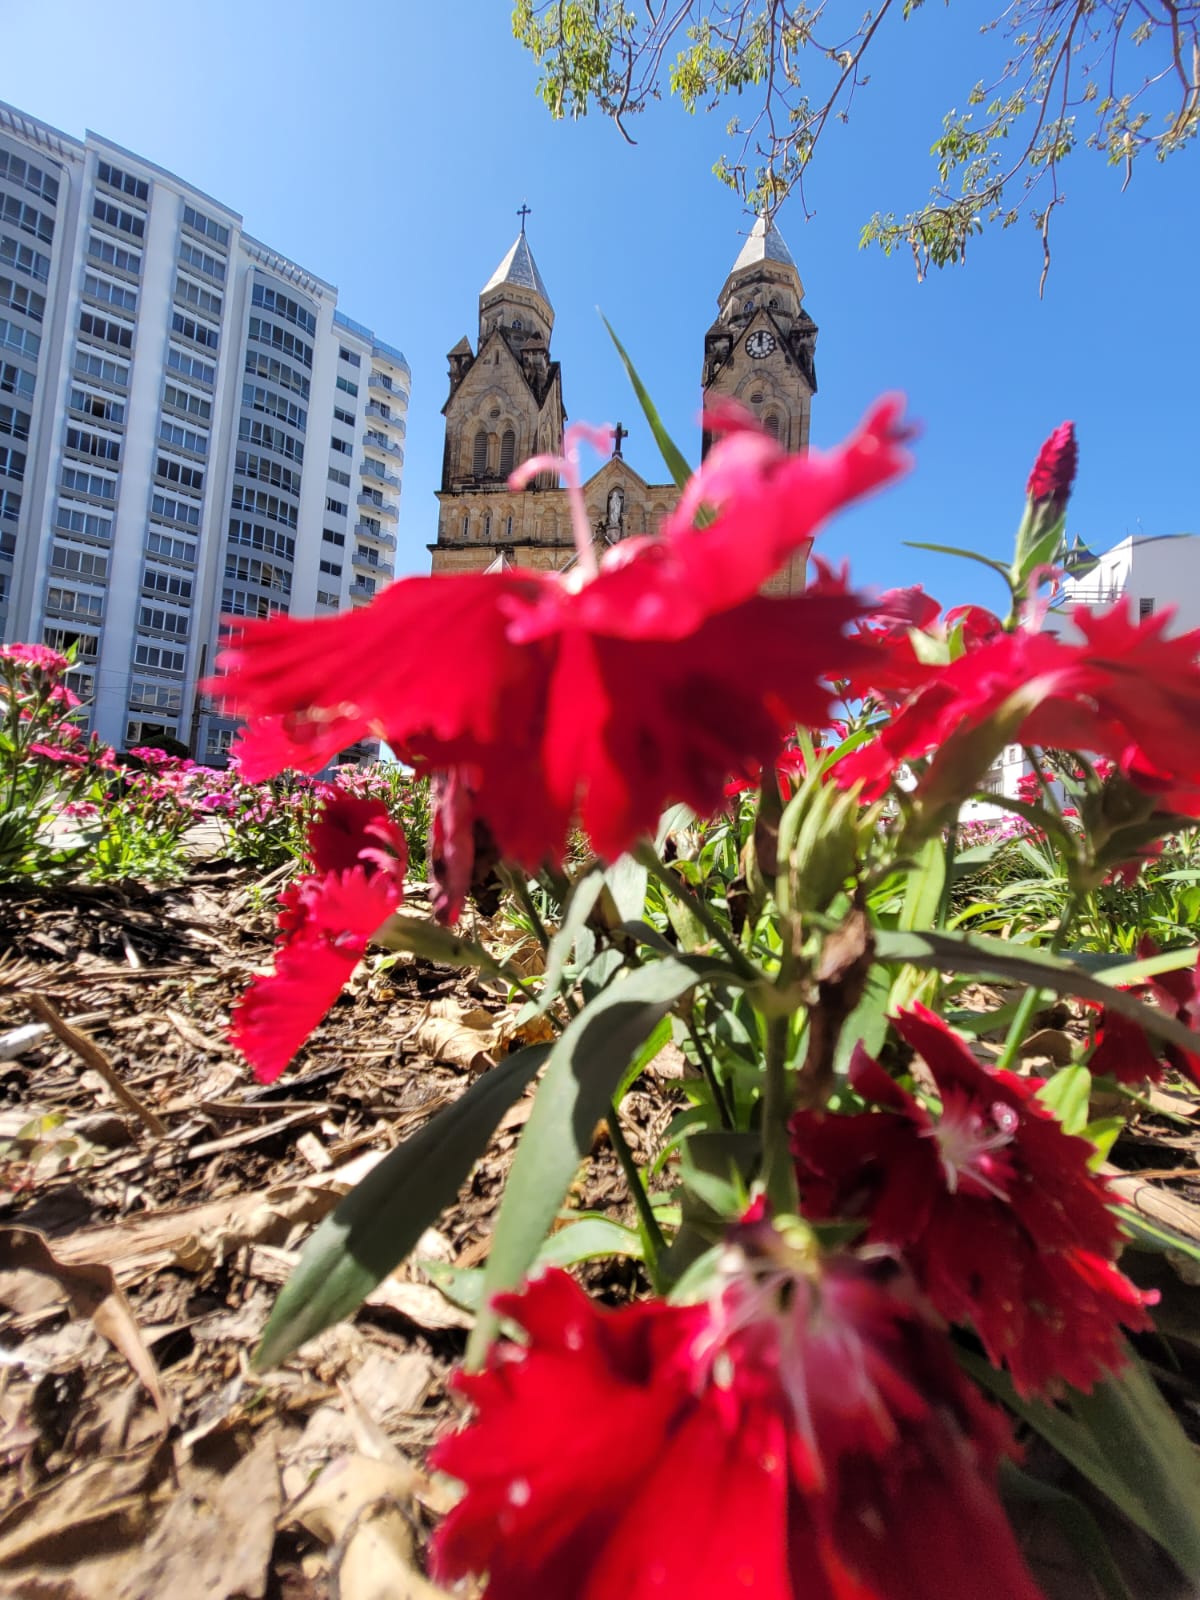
(190, 429)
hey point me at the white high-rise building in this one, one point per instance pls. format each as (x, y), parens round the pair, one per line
(189, 429)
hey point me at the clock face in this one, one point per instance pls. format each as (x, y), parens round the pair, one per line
(760, 343)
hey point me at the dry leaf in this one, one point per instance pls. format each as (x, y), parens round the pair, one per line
(363, 1509)
(91, 1291)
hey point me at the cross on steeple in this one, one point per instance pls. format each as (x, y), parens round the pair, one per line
(523, 211)
(619, 433)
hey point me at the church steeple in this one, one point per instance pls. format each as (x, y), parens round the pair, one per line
(761, 348)
(515, 297)
(760, 352)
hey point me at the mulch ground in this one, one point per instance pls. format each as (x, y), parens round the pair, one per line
(153, 1199)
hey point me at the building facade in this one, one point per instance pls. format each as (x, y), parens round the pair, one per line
(189, 429)
(506, 405)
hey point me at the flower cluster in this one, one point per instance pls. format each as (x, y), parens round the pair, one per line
(995, 1208)
(804, 1434)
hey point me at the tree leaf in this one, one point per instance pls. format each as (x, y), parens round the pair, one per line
(676, 464)
(372, 1230)
(586, 1064)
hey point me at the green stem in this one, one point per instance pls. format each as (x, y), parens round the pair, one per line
(646, 854)
(1031, 999)
(651, 1232)
(708, 1067)
(943, 909)
(778, 1169)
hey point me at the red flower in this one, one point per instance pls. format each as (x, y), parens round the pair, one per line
(1127, 692)
(1122, 1049)
(1054, 470)
(608, 695)
(794, 1440)
(359, 856)
(992, 1204)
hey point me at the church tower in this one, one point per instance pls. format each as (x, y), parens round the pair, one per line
(761, 352)
(505, 405)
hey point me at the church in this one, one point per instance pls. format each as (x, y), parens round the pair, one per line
(506, 404)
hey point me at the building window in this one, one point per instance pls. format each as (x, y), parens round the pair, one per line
(342, 446)
(336, 475)
(125, 182)
(337, 507)
(508, 451)
(131, 222)
(480, 454)
(23, 174)
(28, 218)
(331, 569)
(345, 417)
(771, 424)
(466, 525)
(487, 525)
(199, 223)
(1145, 607)
(346, 386)
(349, 356)
(508, 529)
(282, 306)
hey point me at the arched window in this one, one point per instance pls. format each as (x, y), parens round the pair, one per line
(508, 529)
(771, 424)
(508, 451)
(487, 525)
(518, 324)
(479, 457)
(466, 524)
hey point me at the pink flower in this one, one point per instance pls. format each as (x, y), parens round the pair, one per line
(605, 693)
(38, 656)
(802, 1436)
(327, 919)
(1054, 470)
(994, 1207)
(62, 758)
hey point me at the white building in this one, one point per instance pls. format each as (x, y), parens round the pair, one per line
(189, 428)
(1149, 573)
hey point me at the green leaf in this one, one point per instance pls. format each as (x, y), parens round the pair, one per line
(1147, 1234)
(676, 464)
(589, 1239)
(1144, 1445)
(1067, 1092)
(586, 1064)
(432, 942)
(967, 555)
(584, 894)
(923, 887)
(1129, 972)
(378, 1223)
(1076, 1521)
(995, 958)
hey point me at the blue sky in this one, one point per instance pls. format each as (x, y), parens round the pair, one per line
(386, 147)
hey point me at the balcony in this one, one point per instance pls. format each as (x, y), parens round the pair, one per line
(365, 563)
(380, 508)
(362, 586)
(382, 480)
(389, 418)
(387, 540)
(379, 380)
(376, 441)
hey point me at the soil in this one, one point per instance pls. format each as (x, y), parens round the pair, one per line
(153, 1199)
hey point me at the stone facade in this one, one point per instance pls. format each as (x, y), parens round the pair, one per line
(506, 404)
